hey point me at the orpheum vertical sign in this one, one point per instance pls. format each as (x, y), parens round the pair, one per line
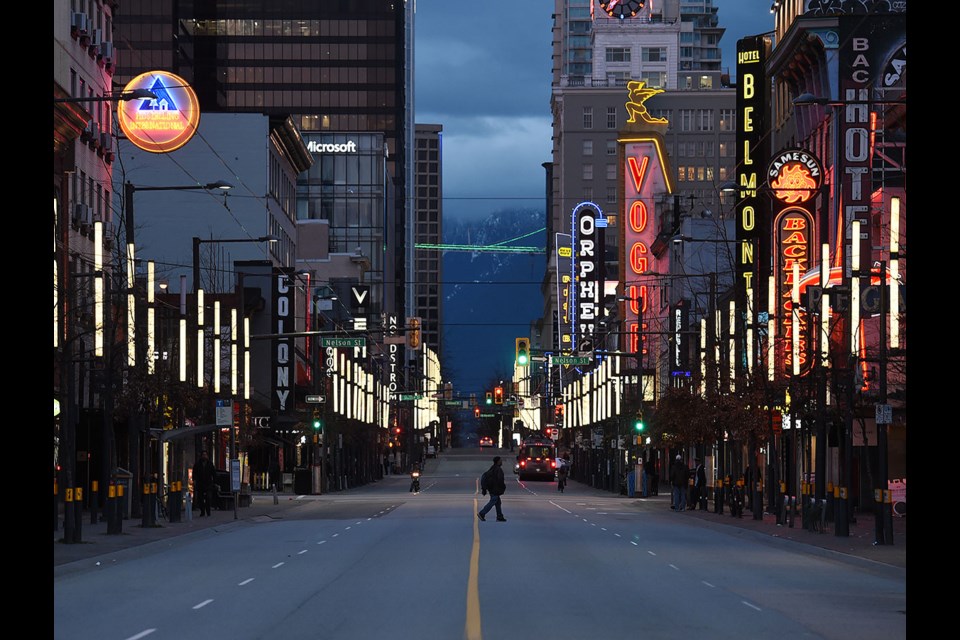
(587, 272)
(282, 358)
(752, 223)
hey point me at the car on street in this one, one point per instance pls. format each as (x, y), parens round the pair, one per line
(486, 441)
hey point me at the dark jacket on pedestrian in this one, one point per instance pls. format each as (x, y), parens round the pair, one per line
(679, 474)
(204, 474)
(495, 484)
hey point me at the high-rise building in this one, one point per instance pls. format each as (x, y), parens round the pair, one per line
(428, 204)
(335, 68)
(671, 46)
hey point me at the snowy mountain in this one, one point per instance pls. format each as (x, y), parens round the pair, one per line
(490, 298)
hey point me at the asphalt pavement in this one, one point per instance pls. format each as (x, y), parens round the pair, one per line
(97, 548)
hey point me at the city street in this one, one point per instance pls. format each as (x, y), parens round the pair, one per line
(378, 561)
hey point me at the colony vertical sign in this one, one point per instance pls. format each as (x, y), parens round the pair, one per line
(283, 321)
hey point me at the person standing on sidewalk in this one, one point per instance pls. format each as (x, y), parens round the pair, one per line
(679, 478)
(203, 478)
(492, 481)
(699, 487)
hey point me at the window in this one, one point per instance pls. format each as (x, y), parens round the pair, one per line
(618, 54)
(686, 52)
(611, 147)
(664, 113)
(611, 117)
(728, 120)
(655, 79)
(611, 195)
(588, 147)
(706, 82)
(704, 119)
(653, 54)
(588, 172)
(686, 119)
(611, 171)
(588, 117)
(726, 149)
(588, 193)
(724, 174)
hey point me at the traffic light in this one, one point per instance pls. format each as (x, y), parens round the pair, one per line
(523, 352)
(317, 421)
(476, 412)
(558, 413)
(638, 423)
(489, 398)
(498, 395)
(413, 333)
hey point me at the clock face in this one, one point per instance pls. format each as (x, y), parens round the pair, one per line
(622, 8)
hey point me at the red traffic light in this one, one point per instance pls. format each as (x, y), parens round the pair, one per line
(498, 395)
(396, 430)
(476, 413)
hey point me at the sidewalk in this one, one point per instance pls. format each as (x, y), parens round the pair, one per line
(97, 547)
(858, 545)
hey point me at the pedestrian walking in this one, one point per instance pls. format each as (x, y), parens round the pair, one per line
(492, 481)
(561, 475)
(679, 478)
(386, 464)
(699, 486)
(204, 476)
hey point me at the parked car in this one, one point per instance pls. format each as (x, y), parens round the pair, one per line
(486, 441)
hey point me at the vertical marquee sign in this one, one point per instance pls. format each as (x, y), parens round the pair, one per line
(163, 124)
(283, 320)
(564, 250)
(794, 177)
(646, 176)
(752, 223)
(587, 272)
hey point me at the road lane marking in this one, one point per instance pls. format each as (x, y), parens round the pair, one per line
(143, 633)
(276, 566)
(321, 541)
(708, 584)
(360, 522)
(335, 535)
(634, 543)
(202, 604)
(603, 528)
(618, 535)
(300, 553)
(651, 553)
(559, 507)
(752, 606)
(347, 528)
(247, 581)
(472, 626)
(675, 567)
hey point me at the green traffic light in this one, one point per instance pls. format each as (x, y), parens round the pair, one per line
(638, 425)
(522, 359)
(317, 424)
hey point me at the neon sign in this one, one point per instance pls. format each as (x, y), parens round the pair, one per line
(163, 124)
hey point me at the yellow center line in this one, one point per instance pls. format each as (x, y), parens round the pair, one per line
(472, 629)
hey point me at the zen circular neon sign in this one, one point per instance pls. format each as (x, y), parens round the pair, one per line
(163, 124)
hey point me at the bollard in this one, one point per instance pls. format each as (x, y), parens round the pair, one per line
(56, 507)
(94, 499)
(111, 509)
(275, 500)
(120, 510)
(841, 523)
(189, 507)
(78, 514)
(68, 521)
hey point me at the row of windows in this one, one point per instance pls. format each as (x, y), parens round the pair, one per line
(87, 191)
(309, 99)
(316, 53)
(316, 75)
(347, 122)
(292, 28)
(282, 187)
(684, 173)
(424, 156)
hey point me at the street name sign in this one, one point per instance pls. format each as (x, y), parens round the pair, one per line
(316, 399)
(571, 359)
(343, 342)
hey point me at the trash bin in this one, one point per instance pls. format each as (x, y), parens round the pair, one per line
(302, 481)
(124, 478)
(631, 483)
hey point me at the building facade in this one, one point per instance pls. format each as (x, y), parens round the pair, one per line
(428, 204)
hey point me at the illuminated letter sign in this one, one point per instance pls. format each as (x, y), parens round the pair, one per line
(794, 176)
(794, 228)
(163, 124)
(752, 230)
(564, 278)
(284, 305)
(588, 271)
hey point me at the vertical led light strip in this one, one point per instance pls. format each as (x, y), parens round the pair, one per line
(246, 358)
(183, 349)
(824, 305)
(718, 314)
(56, 285)
(703, 356)
(151, 316)
(131, 310)
(795, 325)
(216, 346)
(733, 344)
(200, 338)
(750, 316)
(854, 286)
(771, 327)
(97, 289)
(233, 352)
(894, 309)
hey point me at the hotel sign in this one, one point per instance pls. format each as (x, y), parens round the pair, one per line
(163, 124)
